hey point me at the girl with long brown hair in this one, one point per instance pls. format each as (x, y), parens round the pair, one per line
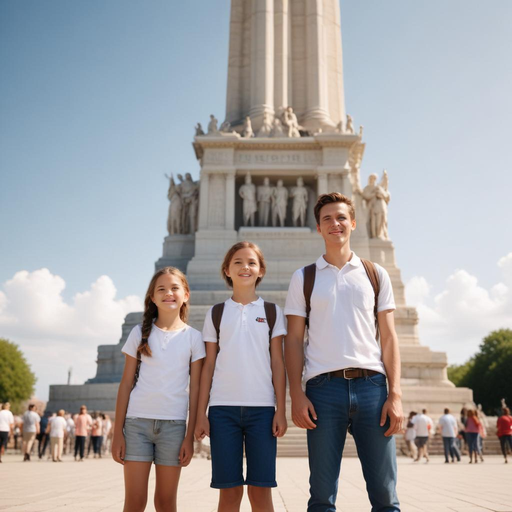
(164, 356)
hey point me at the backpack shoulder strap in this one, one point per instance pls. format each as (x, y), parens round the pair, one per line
(309, 283)
(271, 314)
(373, 276)
(217, 311)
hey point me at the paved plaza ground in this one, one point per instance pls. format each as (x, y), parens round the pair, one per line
(97, 484)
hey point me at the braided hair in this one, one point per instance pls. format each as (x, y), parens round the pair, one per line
(151, 311)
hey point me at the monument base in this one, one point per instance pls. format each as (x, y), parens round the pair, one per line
(97, 397)
(178, 250)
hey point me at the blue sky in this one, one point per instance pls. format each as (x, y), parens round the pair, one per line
(99, 99)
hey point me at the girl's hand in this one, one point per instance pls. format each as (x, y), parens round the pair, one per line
(118, 448)
(202, 427)
(279, 424)
(186, 452)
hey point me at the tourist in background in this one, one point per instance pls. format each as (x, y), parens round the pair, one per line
(83, 423)
(163, 357)
(97, 433)
(410, 436)
(69, 438)
(43, 436)
(106, 428)
(504, 426)
(423, 425)
(243, 380)
(6, 427)
(473, 429)
(56, 429)
(30, 430)
(448, 427)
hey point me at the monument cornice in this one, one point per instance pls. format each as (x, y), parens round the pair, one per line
(234, 141)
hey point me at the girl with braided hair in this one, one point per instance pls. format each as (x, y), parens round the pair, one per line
(164, 357)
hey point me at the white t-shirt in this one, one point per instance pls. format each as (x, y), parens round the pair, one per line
(243, 375)
(6, 420)
(341, 321)
(30, 421)
(70, 426)
(161, 392)
(58, 425)
(449, 427)
(421, 424)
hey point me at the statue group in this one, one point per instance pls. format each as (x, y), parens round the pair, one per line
(271, 202)
(184, 207)
(377, 198)
(283, 124)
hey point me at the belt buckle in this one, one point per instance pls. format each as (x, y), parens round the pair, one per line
(344, 374)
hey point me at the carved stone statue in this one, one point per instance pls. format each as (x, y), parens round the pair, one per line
(350, 125)
(212, 125)
(247, 132)
(266, 127)
(300, 203)
(264, 200)
(377, 198)
(225, 127)
(279, 204)
(290, 121)
(277, 128)
(189, 198)
(361, 131)
(339, 127)
(174, 216)
(199, 130)
(248, 194)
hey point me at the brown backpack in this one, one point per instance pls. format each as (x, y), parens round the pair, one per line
(270, 313)
(309, 283)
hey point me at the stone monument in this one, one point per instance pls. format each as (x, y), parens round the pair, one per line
(284, 71)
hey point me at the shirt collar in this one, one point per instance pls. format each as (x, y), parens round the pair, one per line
(232, 303)
(355, 261)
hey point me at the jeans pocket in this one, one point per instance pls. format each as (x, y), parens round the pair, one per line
(316, 382)
(378, 380)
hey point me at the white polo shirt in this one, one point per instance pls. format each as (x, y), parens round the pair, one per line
(341, 321)
(423, 425)
(161, 392)
(243, 375)
(449, 427)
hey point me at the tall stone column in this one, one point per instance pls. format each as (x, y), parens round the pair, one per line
(262, 61)
(316, 114)
(230, 199)
(281, 42)
(203, 203)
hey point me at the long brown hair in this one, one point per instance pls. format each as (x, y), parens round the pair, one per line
(473, 414)
(151, 311)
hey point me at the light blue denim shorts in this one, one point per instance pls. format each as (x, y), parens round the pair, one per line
(157, 441)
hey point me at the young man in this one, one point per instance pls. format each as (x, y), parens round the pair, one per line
(345, 365)
(30, 430)
(449, 429)
(423, 425)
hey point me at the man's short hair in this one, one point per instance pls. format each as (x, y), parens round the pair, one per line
(447, 411)
(424, 411)
(31, 406)
(333, 197)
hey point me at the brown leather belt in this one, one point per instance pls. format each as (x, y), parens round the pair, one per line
(353, 373)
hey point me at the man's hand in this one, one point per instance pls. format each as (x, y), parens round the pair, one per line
(393, 408)
(302, 408)
(202, 427)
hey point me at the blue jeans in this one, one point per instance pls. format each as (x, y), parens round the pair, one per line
(450, 449)
(341, 404)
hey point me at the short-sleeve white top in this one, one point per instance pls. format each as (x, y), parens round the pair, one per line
(449, 427)
(58, 425)
(423, 425)
(341, 321)
(30, 421)
(243, 375)
(161, 392)
(6, 420)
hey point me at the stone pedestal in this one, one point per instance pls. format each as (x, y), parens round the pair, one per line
(178, 250)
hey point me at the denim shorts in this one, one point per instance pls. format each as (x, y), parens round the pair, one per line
(232, 427)
(157, 441)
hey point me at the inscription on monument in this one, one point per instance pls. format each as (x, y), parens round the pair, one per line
(279, 157)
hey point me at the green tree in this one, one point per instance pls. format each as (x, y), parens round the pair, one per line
(487, 373)
(17, 380)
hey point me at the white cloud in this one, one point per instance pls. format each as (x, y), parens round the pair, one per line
(55, 335)
(459, 317)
